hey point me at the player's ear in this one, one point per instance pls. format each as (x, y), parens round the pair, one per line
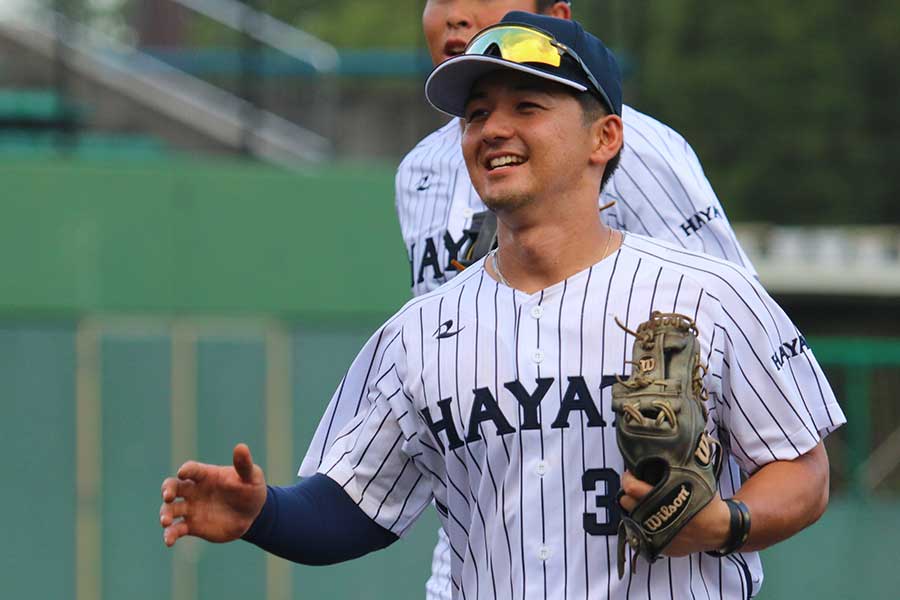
(560, 10)
(606, 138)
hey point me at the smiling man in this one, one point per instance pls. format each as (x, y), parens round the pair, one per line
(657, 188)
(490, 397)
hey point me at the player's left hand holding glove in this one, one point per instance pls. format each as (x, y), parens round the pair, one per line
(216, 503)
(706, 531)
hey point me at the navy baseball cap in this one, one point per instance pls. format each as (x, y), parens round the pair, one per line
(558, 50)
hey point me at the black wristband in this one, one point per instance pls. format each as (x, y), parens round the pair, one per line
(738, 528)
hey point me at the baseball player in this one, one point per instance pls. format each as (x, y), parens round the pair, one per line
(436, 202)
(490, 396)
(659, 190)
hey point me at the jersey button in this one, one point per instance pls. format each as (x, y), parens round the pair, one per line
(543, 552)
(537, 312)
(538, 356)
(468, 212)
(541, 468)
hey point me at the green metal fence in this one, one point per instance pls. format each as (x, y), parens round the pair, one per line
(98, 411)
(866, 371)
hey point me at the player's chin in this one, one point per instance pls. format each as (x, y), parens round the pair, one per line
(505, 200)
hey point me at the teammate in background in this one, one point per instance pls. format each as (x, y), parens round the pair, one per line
(659, 190)
(490, 395)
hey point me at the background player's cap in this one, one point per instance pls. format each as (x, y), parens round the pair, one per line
(559, 50)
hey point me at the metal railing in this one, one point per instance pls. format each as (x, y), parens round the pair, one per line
(294, 42)
(76, 49)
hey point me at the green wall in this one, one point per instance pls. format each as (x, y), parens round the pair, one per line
(37, 442)
(38, 363)
(172, 236)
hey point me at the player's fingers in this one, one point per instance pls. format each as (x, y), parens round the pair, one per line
(175, 531)
(173, 488)
(169, 512)
(627, 502)
(193, 470)
(169, 489)
(243, 462)
(634, 487)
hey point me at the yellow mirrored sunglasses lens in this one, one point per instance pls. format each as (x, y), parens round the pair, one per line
(517, 45)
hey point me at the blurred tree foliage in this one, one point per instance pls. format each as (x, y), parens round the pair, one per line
(354, 23)
(791, 104)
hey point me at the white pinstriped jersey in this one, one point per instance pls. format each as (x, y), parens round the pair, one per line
(496, 405)
(659, 188)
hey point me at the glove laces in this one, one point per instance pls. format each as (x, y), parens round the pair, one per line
(646, 336)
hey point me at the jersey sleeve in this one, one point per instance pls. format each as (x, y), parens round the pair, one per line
(350, 399)
(771, 398)
(661, 191)
(373, 457)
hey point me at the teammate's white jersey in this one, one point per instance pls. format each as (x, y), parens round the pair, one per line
(496, 405)
(659, 188)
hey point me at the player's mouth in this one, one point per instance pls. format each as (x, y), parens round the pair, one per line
(495, 162)
(454, 47)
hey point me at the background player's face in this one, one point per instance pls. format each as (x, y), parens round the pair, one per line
(450, 24)
(525, 139)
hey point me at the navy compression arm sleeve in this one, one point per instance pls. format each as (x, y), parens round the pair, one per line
(316, 523)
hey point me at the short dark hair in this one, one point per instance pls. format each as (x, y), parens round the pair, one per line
(592, 108)
(544, 5)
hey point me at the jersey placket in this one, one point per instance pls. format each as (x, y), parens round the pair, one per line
(542, 551)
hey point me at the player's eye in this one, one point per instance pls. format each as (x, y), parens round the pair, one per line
(528, 106)
(476, 114)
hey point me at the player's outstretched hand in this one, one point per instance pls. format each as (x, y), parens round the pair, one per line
(212, 502)
(708, 530)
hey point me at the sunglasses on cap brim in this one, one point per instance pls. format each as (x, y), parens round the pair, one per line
(522, 44)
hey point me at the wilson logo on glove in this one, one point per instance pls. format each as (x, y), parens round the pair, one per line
(669, 509)
(704, 450)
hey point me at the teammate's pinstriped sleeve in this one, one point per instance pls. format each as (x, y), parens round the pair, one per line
(661, 191)
(773, 401)
(373, 458)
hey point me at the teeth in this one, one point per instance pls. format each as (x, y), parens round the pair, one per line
(502, 161)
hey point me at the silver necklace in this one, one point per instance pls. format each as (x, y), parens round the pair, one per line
(496, 263)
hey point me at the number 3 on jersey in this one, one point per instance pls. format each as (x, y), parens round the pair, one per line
(598, 523)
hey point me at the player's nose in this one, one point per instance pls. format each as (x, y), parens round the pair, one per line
(496, 127)
(458, 17)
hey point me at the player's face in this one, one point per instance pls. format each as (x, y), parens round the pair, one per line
(450, 24)
(524, 139)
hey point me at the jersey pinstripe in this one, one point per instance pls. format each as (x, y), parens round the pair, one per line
(495, 404)
(659, 188)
